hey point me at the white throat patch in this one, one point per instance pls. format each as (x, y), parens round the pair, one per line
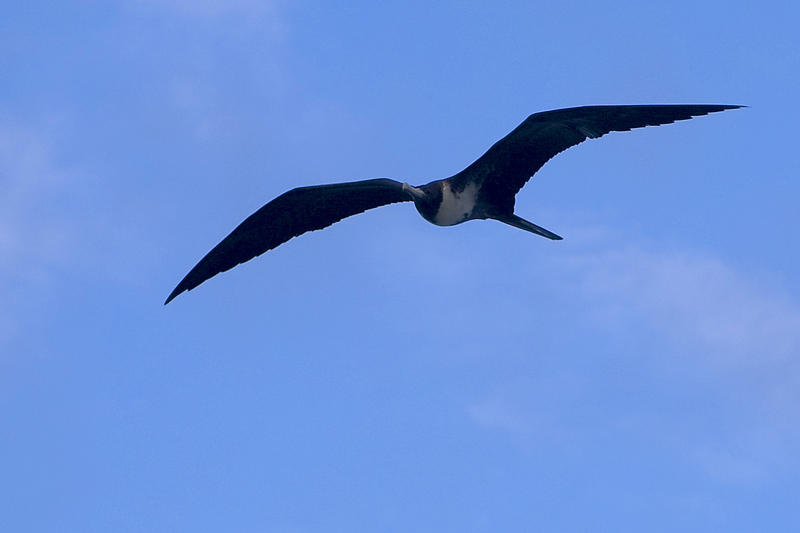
(456, 208)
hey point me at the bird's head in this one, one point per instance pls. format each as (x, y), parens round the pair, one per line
(427, 198)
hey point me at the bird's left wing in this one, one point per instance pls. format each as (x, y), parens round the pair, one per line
(289, 215)
(512, 160)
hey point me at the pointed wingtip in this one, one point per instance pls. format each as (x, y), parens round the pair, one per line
(725, 107)
(173, 294)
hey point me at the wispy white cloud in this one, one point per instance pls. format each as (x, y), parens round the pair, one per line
(30, 184)
(711, 324)
(212, 8)
(494, 413)
(696, 299)
(55, 219)
(33, 237)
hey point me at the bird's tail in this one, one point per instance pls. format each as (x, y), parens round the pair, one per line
(521, 223)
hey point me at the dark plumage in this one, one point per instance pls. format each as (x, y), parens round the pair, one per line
(485, 189)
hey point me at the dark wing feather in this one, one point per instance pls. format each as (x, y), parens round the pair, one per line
(289, 215)
(512, 160)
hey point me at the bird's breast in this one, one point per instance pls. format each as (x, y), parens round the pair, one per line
(456, 207)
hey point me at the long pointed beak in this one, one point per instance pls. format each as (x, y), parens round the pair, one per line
(415, 192)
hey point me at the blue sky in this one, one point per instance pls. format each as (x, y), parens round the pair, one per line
(386, 374)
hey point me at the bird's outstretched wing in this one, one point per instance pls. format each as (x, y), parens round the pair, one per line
(512, 160)
(289, 215)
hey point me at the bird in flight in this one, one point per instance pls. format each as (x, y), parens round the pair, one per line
(485, 189)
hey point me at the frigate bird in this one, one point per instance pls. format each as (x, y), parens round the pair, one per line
(485, 189)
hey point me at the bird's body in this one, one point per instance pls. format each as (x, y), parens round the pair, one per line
(485, 189)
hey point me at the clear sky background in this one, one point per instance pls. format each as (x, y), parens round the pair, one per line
(386, 374)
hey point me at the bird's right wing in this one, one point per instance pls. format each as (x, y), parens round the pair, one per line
(512, 160)
(289, 215)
